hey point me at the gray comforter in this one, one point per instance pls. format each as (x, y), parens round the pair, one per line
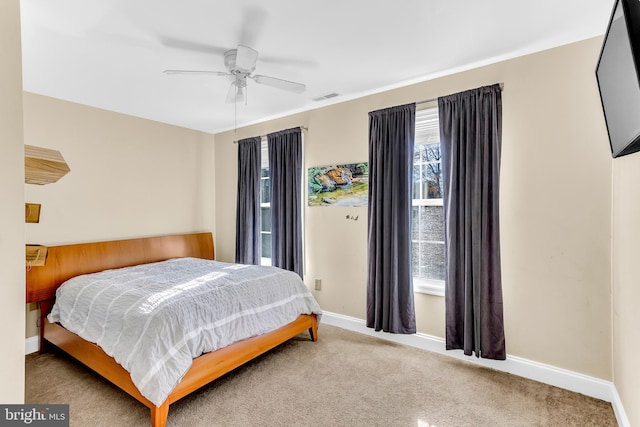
(155, 318)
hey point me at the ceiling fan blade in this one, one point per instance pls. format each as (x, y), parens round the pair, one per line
(254, 21)
(231, 94)
(279, 83)
(192, 46)
(281, 60)
(204, 72)
(246, 58)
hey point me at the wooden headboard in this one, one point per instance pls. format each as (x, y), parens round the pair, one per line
(67, 261)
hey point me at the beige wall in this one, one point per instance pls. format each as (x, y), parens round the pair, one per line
(626, 283)
(11, 207)
(555, 205)
(130, 177)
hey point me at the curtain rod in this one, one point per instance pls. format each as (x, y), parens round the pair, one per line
(435, 99)
(303, 128)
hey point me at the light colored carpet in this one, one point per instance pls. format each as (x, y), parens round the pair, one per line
(344, 379)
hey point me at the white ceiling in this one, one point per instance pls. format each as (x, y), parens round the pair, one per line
(111, 54)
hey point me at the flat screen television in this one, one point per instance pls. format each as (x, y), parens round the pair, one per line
(618, 76)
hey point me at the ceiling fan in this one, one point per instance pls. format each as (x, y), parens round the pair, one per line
(240, 64)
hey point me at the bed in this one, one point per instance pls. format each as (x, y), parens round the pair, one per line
(68, 261)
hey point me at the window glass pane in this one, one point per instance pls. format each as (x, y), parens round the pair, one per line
(427, 234)
(266, 245)
(265, 188)
(424, 178)
(424, 153)
(265, 219)
(417, 179)
(415, 225)
(433, 173)
(432, 152)
(431, 223)
(417, 153)
(432, 260)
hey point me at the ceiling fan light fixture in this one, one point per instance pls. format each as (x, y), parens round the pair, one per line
(240, 95)
(236, 94)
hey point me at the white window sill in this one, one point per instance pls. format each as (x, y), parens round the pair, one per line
(428, 286)
(265, 261)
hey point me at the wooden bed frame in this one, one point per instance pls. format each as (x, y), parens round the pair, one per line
(64, 262)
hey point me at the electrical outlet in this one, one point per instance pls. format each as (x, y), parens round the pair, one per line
(318, 284)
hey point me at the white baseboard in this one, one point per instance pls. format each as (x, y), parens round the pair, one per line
(31, 345)
(618, 409)
(573, 381)
(558, 377)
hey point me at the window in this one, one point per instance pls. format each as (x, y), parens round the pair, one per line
(265, 207)
(427, 211)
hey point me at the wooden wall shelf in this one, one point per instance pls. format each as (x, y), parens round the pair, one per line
(36, 255)
(31, 212)
(43, 165)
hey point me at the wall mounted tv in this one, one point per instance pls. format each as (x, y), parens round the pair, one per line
(618, 76)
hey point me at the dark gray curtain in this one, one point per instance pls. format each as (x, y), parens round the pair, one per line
(285, 170)
(248, 202)
(389, 279)
(470, 138)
